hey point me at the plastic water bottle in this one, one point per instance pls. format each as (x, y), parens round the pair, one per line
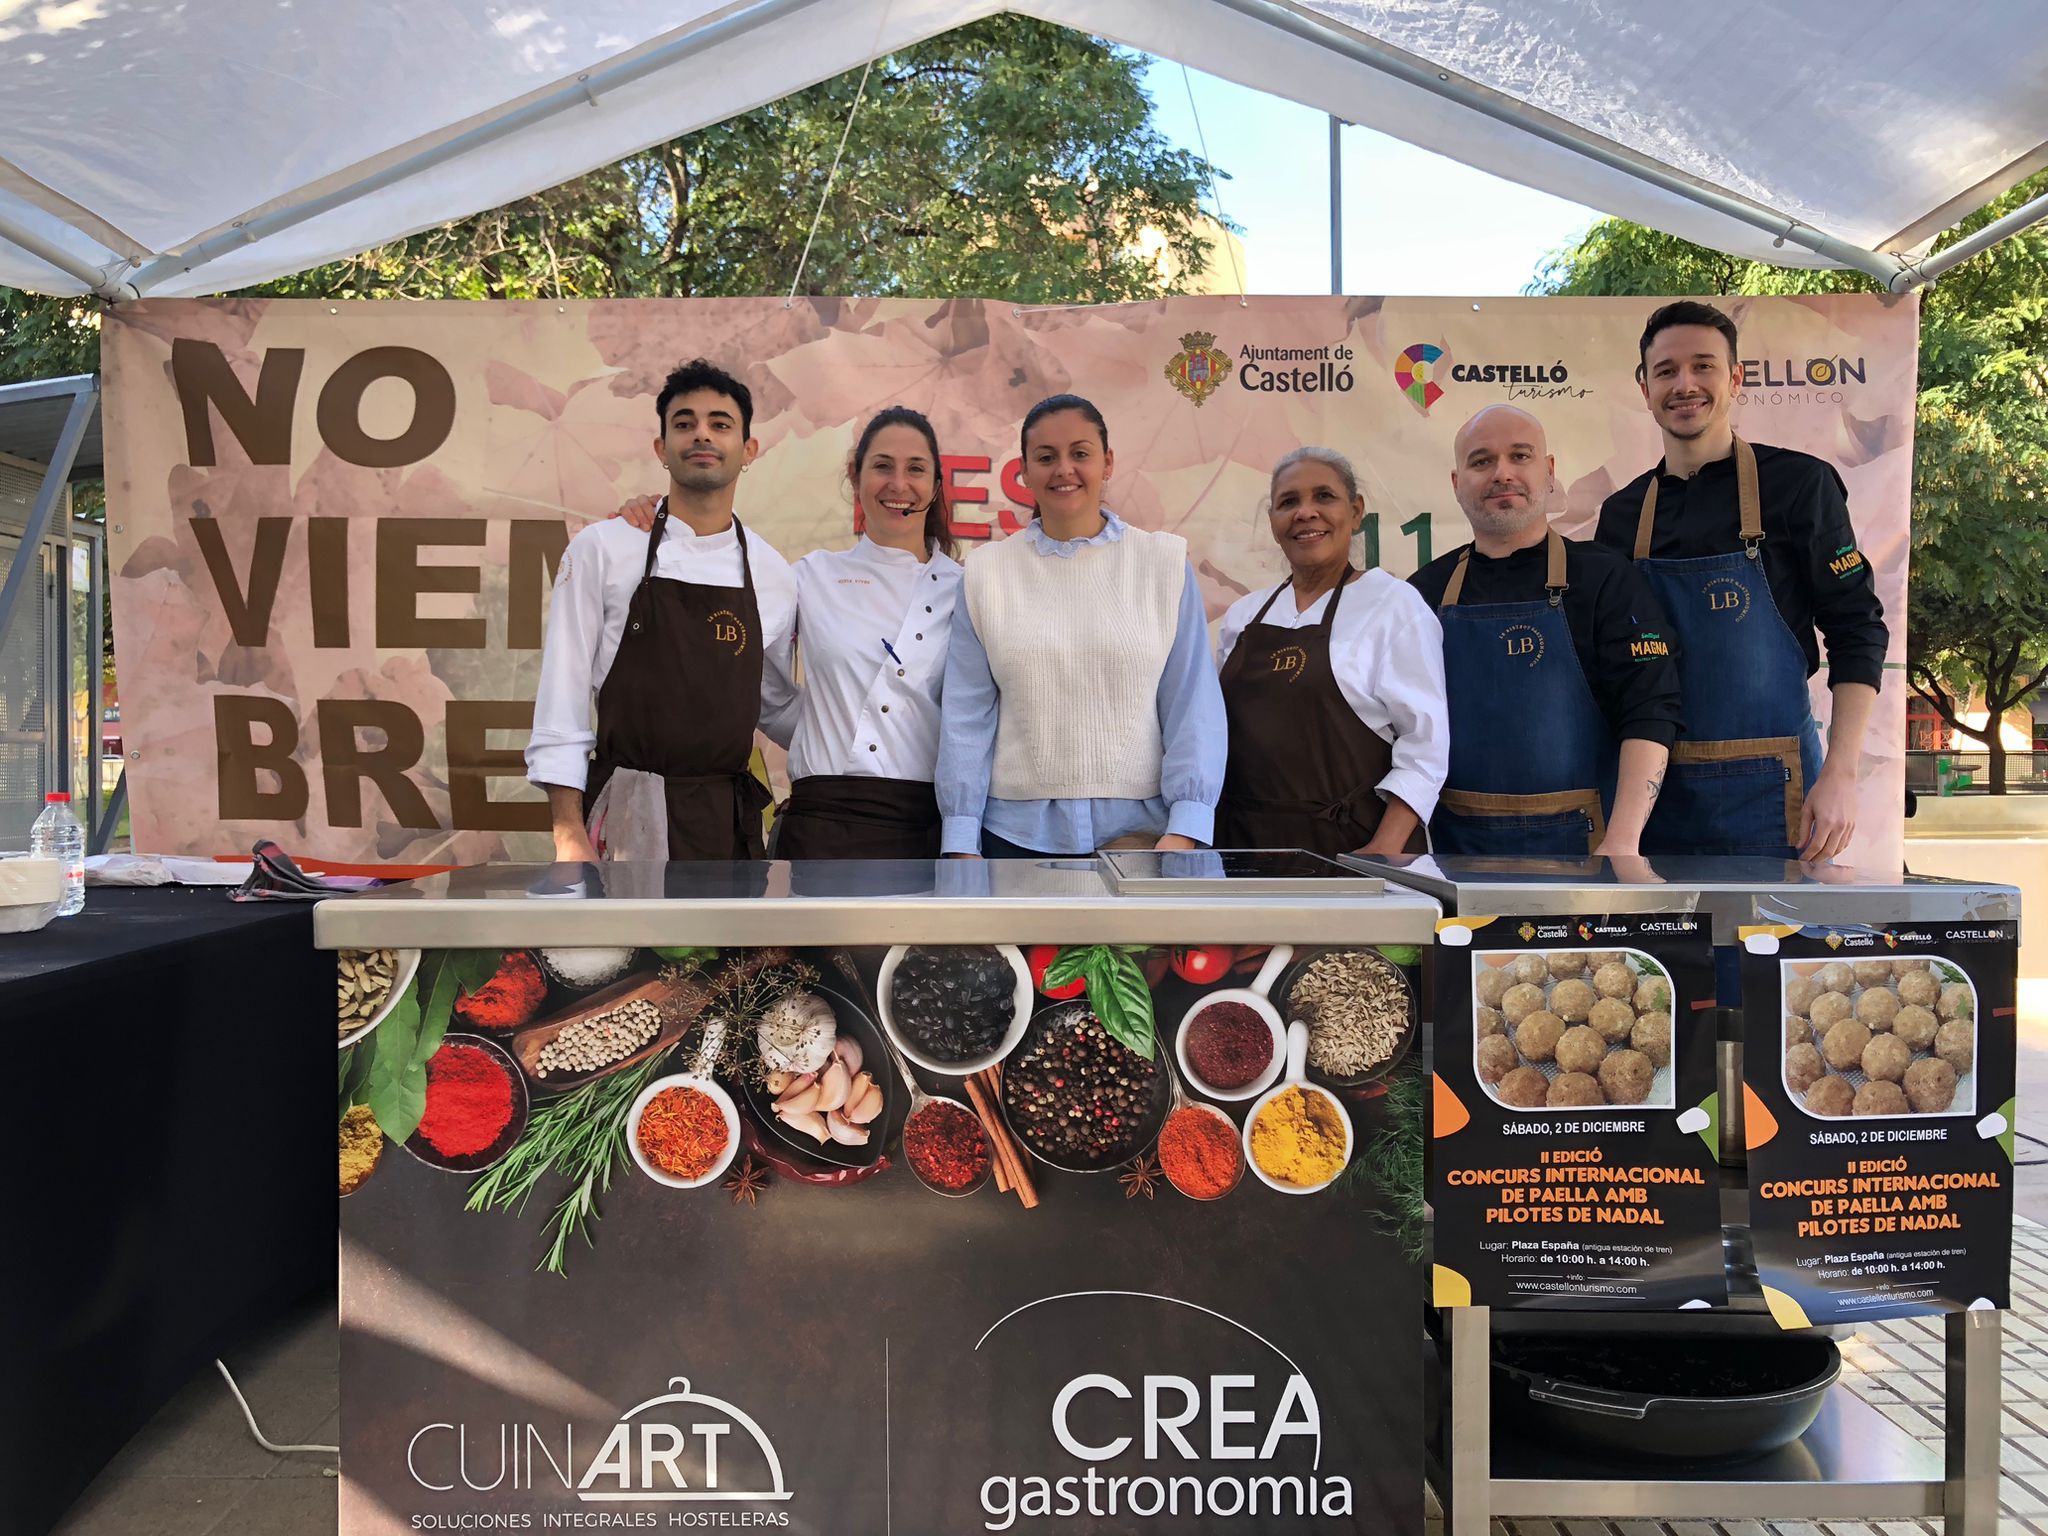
(57, 835)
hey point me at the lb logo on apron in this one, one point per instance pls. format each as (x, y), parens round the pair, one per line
(1290, 662)
(728, 629)
(1727, 598)
(1523, 643)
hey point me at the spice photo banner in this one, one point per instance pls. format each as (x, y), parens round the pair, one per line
(660, 1238)
(333, 528)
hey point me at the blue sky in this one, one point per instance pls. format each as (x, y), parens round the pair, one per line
(1414, 222)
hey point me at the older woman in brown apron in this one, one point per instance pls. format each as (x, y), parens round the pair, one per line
(1334, 686)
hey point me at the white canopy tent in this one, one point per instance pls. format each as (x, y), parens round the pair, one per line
(156, 147)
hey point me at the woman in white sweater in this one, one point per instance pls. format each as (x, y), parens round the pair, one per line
(1081, 706)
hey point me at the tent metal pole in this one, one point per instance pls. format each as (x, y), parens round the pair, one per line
(583, 91)
(1336, 204)
(1423, 75)
(110, 818)
(1929, 268)
(55, 476)
(95, 280)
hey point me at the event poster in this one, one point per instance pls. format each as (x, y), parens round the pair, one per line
(333, 527)
(764, 1322)
(1575, 1129)
(1879, 1115)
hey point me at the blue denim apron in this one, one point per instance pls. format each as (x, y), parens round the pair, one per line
(1532, 761)
(1750, 749)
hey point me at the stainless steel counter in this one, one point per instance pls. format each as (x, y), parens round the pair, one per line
(1008, 901)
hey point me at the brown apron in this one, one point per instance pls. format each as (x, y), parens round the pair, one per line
(1303, 770)
(682, 700)
(858, 816)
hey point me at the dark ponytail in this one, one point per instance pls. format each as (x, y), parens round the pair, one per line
(938, 517)
(1051, 404)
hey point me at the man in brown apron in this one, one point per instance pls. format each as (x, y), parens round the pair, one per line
(668, 629)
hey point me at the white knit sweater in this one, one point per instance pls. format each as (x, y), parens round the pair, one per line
(1076, 645)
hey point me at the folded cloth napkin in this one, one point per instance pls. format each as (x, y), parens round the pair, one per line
(148, 869)
(630, 818)
(276, 878)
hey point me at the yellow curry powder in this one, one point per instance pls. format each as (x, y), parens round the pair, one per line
(1298, 1138)
(361, 1145)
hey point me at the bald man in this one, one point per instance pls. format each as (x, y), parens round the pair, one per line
(1557, 661)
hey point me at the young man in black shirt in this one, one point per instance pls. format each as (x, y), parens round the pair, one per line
(1750, 550)
(1557, 664)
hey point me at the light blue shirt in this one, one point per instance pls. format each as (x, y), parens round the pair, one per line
(1191, 726)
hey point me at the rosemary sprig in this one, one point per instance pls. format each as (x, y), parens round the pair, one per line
(1389, 1167)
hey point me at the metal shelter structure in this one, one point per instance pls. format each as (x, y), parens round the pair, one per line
(1814, 134)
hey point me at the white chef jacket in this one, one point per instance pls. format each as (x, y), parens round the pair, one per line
(1387, 651)
(587, 615)
(862, 710)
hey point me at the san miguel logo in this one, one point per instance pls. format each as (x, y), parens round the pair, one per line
(1198, 370)
(1290, 661)
(681, 1447)
(1415, 372)
(728, 629)
(1727, 597)
(1523, 642)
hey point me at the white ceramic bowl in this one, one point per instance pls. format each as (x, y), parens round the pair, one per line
(1020, 1009)
(1297, 1058)
(710, 1090)
(1253, 997)
(401, 979)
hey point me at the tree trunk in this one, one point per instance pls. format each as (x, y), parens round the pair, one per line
(1994, 745)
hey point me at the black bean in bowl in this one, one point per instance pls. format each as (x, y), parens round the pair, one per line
(1078, 1097)
(954, 1001)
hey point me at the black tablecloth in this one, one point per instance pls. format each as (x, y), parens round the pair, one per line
(169, 1077)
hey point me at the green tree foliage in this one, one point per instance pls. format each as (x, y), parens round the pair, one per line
(1978, 601)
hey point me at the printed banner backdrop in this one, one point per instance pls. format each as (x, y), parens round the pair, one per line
(1575, 1135)
(333, 526)
(844, 1352)
(1880, 1123)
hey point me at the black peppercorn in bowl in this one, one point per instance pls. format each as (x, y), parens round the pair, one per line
(954, 1009)
(1079, 1099)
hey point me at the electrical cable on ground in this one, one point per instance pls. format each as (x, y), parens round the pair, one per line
(250, 1419)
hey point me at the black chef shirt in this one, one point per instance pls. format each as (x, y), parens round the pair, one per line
(1624, 643)
(1818, 577)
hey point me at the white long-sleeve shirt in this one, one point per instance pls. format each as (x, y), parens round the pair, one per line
(587, 615)
(861, 709)
(1387, 653)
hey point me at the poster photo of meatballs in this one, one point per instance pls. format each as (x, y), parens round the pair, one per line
(1880, 1037)
(1575, 1132)
(1878, 1114)
(1572, 1028)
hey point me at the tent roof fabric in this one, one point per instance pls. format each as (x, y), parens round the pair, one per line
(190, 149)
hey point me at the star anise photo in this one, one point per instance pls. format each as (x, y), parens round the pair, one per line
(1141, 1177)
(746, 1182)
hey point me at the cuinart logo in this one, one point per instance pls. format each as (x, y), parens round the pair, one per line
(681, 1447)
(1415, 370)
(1196, 1444)
(1197, 370)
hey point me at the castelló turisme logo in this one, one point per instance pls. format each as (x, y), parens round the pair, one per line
(1415, 371)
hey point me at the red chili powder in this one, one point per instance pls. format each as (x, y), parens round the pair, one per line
(510, 998)
(1200, 1153)
(1229, 1045)
(946, 1145)
(469, 1101)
